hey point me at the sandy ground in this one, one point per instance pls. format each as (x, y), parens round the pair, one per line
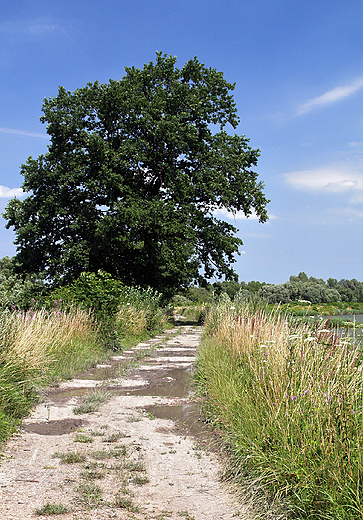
(131, 463)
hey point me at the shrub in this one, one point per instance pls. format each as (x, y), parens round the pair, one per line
(16, 291)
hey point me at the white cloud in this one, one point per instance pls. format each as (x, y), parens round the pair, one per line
(8, 193)
(336, 94)
(329, 179)
(22, 132)
(239, 215)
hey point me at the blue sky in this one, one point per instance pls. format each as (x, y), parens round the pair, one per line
(298, 68)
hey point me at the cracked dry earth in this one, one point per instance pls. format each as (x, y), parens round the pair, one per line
(125, 460)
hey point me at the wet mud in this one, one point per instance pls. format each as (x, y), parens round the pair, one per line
(59, 427)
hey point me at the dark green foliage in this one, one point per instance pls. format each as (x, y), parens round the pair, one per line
(132, 177)
(199, 294)
(301, 277)
(19, 291)
(105, 296)
(231, 288)
(350, 290)
(253, 286)
(97, 292)
(8, 425)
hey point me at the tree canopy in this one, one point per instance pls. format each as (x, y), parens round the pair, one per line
(134, 173)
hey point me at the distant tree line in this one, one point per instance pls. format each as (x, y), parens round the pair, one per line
(314, 290)
(25, 291)
(300, 287)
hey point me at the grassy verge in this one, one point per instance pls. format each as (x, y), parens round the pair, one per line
(39, 348)
(194, 312)
(289, 399)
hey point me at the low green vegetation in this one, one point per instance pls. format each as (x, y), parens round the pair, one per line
(125, 503)
(122, 465)
(288, 400)
(305, 308)
(92, 401)
(70, 457)
(51, 509)
(89, 494)
(76, 327)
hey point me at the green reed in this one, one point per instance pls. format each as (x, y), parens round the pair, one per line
(289, 398)
(36, 348)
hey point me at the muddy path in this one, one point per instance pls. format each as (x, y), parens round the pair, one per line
(127, 460)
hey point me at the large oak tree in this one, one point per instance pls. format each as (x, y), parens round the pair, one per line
(133, 175)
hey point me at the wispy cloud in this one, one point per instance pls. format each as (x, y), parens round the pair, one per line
(37, 27)
(239, 215)
(329, 180)
(8, 193)
(22, 132)
(34, 28)
(332, 96)
(346, 213)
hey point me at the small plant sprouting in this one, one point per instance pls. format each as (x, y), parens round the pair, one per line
(92, 474)
(114, 437)
(186, 515)
(133, 418)
(135, 466)
(119, 451)
(164, 514)
(92, 401)
(70, 457)
(125, 503)
(140, 480)
(90, 494)
(83, 438)
(51, 509)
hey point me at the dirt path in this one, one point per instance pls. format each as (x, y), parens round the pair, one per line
(120, 461)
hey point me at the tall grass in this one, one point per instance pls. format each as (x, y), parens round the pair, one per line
(37, 348)
(290, 399)
(140, 313)
(40, 347)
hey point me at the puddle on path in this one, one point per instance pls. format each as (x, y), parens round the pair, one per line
(61, 427)
(187, 414)
(101, 374)
(175, 383)
(189, 419)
